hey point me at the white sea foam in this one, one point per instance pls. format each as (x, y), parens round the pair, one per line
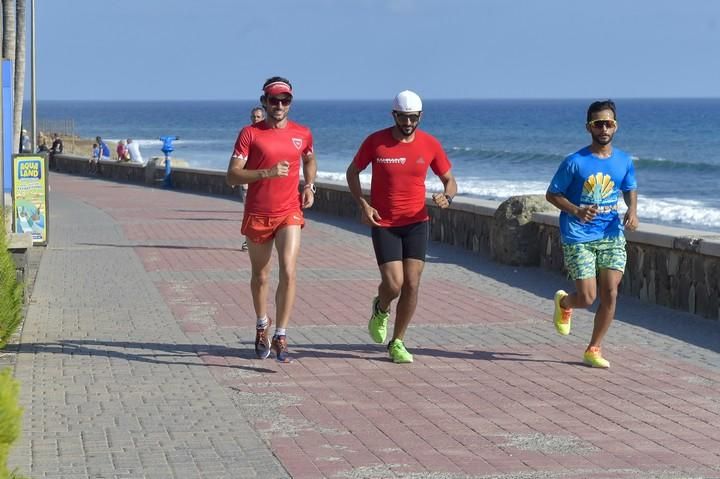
(677, 211)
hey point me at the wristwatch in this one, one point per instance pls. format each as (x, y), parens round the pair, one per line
(312, 187)
(449, 199)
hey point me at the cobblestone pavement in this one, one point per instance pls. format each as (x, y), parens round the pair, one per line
(137, 362)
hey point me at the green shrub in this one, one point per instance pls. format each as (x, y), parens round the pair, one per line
(10, 415)
(11, 292)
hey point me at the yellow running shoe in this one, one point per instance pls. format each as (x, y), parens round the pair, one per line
(377, 326)
(398, 353)
(593, 357)
(562, 317)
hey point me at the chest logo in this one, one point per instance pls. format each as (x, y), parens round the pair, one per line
(420, 161)
(297, 142)
(391, 161)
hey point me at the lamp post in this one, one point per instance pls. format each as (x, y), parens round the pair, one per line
(33, 104)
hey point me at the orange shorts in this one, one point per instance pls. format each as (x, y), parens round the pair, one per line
(261, 228)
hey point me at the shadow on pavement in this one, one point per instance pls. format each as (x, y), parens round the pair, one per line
(156, 353)
(346, 351)
(164, 246)
(680, 325)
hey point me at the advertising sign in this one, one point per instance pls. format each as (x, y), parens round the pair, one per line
(30, 196)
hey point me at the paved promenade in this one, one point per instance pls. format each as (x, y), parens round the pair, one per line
(137, 362)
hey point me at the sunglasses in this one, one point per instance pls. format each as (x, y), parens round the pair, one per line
(414, 118)
(609, 124)
(274, 101)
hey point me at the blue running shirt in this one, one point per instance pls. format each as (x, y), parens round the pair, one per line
(584, 179)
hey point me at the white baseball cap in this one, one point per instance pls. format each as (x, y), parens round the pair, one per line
(406, 101)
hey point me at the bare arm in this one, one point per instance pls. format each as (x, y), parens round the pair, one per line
(237, 174)
(309, 173)
(585, 213)
(450, 190)
(369, 214)
(631, 220)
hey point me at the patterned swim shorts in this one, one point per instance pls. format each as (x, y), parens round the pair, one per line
(584, 260)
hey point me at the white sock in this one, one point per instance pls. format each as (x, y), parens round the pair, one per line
(279, 331)
(262, 322)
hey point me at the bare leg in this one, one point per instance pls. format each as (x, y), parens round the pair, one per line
(584, 295)
(412, 270)
(391, 274)
(287, 243)
(609, 282)
(260, 254)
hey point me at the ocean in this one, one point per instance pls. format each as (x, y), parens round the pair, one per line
(499, 148)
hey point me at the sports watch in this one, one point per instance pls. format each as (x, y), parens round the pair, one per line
(312, 187)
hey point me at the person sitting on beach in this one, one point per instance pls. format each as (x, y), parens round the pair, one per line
(134, 150)
(122, 151)
(104, 149)
(92, 167)
(57, 144)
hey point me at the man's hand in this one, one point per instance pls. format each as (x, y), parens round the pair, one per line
(280, 169)
(308, 198)
(587, 213)
(631, 220)
(370, 215)
(440, 200)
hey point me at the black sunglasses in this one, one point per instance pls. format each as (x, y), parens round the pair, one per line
(275, 101)
(414, 118)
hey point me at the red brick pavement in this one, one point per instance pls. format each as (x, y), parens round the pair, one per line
(467, 407)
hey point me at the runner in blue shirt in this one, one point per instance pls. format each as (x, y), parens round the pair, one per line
(586, 188)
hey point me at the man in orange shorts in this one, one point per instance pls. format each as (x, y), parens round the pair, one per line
(267, 157)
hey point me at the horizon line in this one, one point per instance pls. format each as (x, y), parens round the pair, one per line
(385, 99)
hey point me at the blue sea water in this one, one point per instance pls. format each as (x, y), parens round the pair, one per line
(498, 148)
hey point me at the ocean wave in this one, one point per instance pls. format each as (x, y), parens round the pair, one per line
(679, 212)
(469, 154)
(669, 211)
(666, 164)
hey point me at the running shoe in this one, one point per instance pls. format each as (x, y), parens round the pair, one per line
(593, 357)
(377, 326)
(279, 345)
(244, 246)
(398, 353)
(262, 342)
(562, 317)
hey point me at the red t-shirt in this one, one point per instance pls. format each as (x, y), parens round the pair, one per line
(264, 147)
(397, 189)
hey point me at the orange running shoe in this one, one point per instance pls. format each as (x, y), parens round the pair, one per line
(593, 357)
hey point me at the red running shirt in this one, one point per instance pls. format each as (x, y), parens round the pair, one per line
(399, 170)
(264, 147)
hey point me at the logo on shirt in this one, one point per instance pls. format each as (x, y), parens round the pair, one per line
(391, 161)
(297, 142)
(420, 161)
(599, 189)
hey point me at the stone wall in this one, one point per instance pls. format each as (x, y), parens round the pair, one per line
(673, 267)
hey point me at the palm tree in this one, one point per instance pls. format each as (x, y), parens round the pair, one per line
(19, 72)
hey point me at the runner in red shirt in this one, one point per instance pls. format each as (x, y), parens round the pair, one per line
(268, 156)
(400, 157)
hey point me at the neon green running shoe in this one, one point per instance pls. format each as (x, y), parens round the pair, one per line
(562, 317)
(377, 326)
(593, 357)
(398, 353)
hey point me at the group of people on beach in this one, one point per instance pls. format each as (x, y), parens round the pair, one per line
(270, 152)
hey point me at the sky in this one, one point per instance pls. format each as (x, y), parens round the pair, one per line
(371, 49)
